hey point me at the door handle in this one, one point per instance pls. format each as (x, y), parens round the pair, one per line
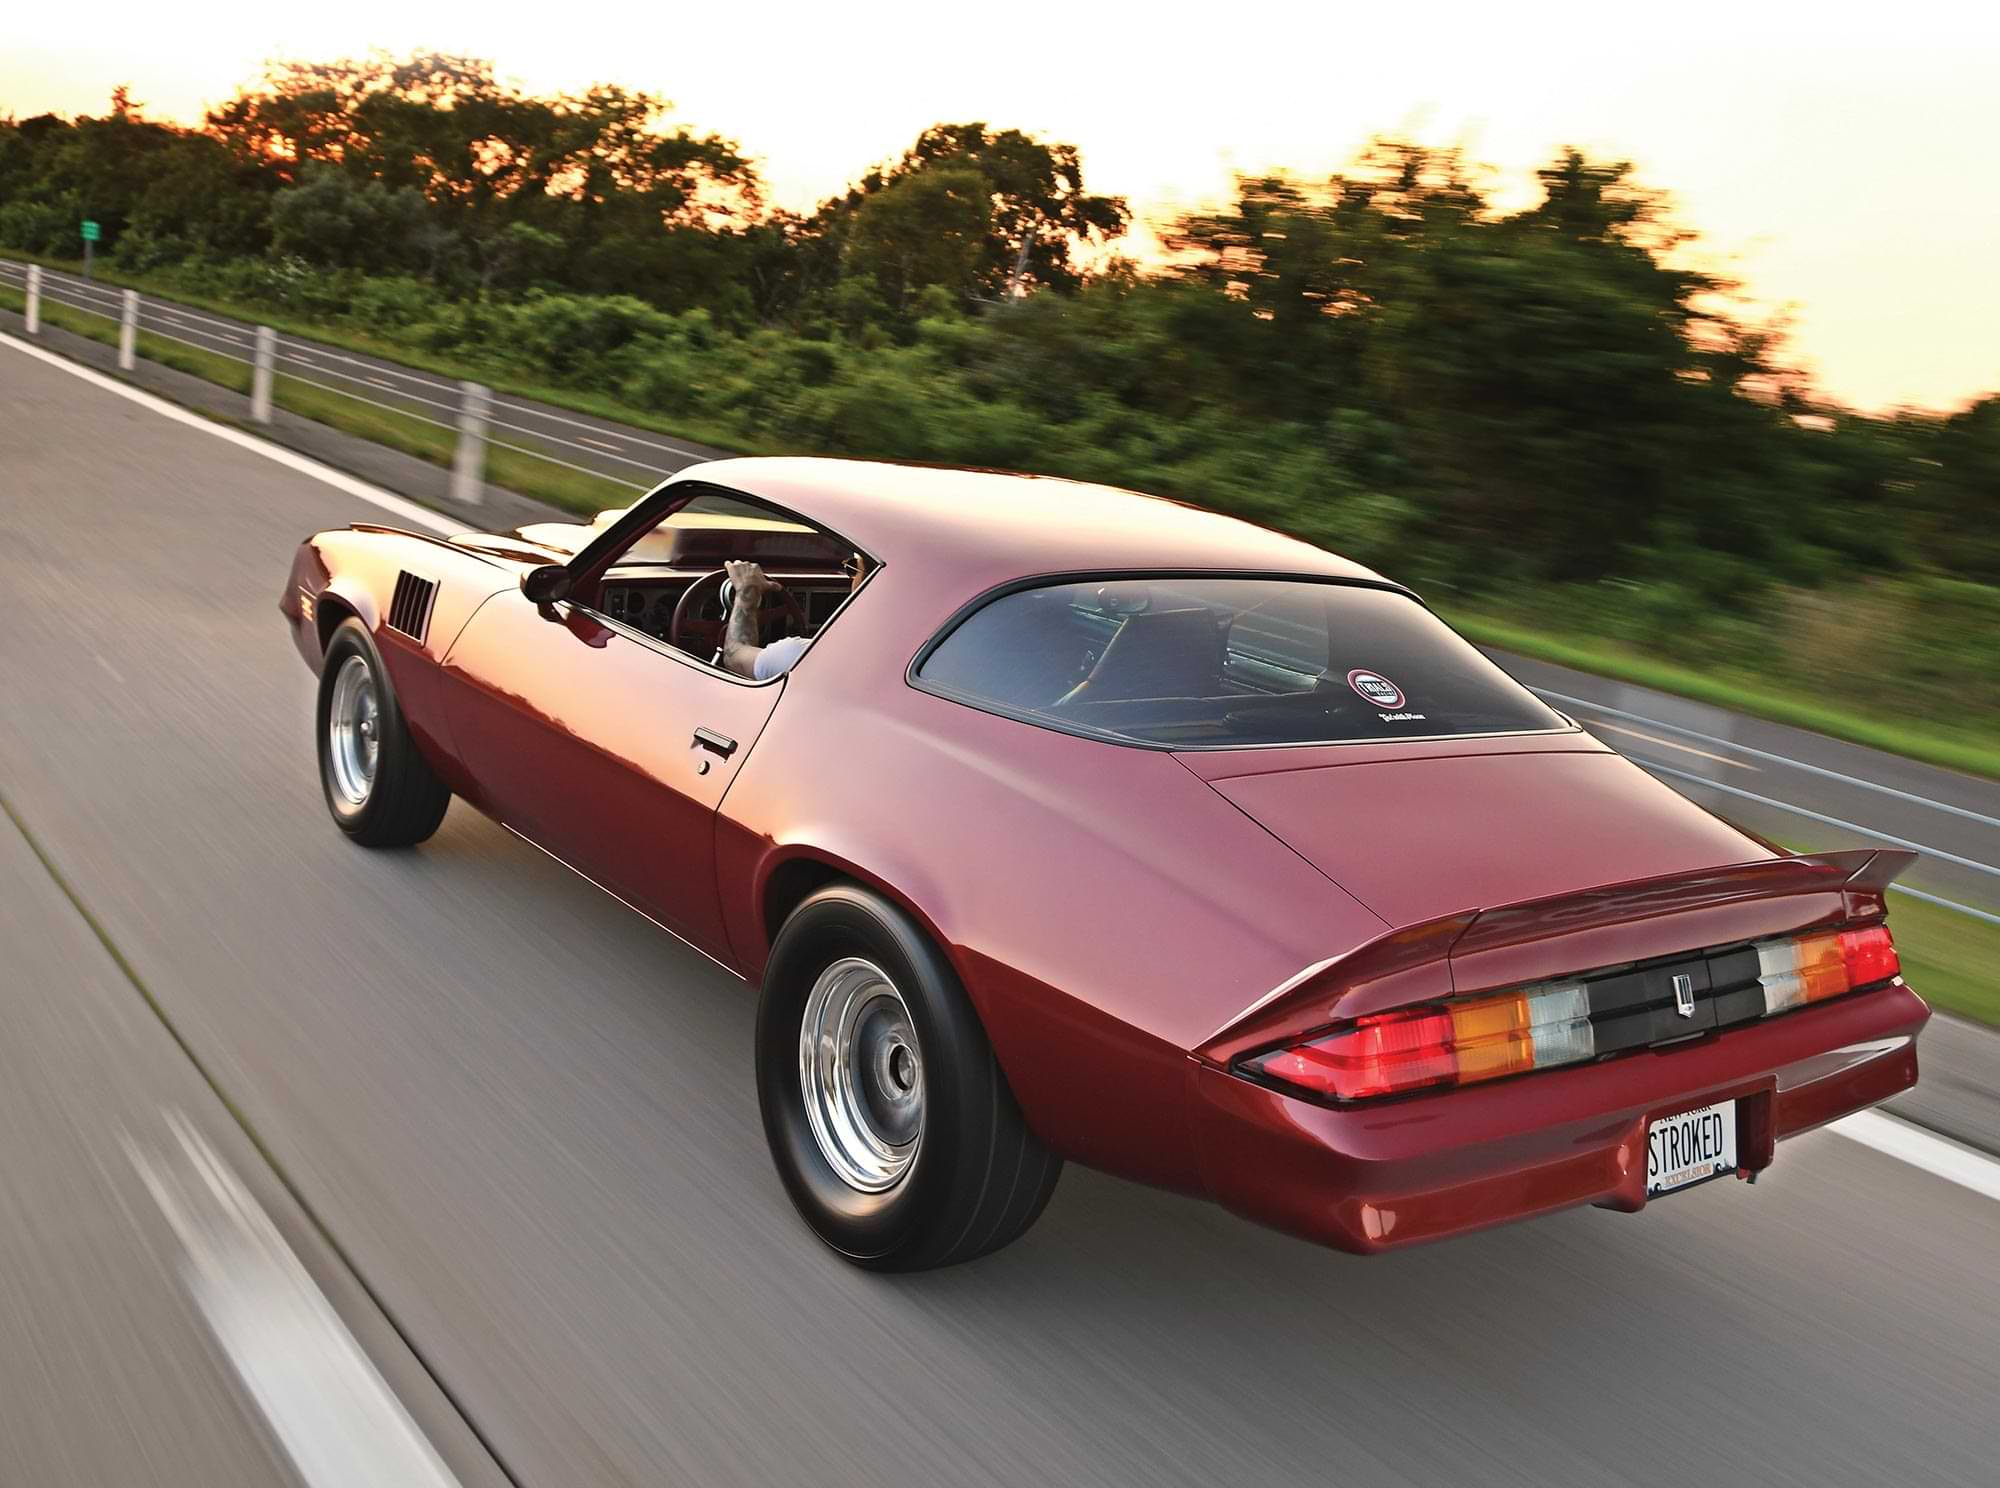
(715, 743)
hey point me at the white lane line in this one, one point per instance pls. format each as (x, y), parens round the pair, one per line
(328, 1405)
(599, 443)
(409, 511)
(384, 383)
(1632, 733)
(1922, 1149)
(1831, 821)
(1777, 759)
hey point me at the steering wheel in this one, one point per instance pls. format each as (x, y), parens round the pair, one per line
(684, 627)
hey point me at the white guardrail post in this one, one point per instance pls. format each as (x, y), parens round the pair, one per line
(128, 332)
(468, 470)
(260, 374)
(34, 299)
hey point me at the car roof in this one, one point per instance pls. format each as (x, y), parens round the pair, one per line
(992, 526)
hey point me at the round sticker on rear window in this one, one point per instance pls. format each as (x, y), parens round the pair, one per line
(1377, 688)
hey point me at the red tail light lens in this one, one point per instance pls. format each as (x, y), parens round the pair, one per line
(1870, 955)
(1376, 1056)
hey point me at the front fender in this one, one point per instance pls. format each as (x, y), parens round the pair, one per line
(354, 594)
(354, 571)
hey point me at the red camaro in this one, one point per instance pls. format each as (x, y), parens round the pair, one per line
(1069, 823)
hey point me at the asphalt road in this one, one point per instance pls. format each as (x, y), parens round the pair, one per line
(523, 1121)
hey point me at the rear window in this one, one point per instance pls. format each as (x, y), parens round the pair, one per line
(1224, 662)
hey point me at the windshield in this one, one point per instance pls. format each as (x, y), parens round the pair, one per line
(701, 532)
(1223, 662)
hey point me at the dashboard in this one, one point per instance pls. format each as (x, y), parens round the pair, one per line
(648, 604)
(647, 607)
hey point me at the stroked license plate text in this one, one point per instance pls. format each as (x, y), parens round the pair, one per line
(1689, 1147)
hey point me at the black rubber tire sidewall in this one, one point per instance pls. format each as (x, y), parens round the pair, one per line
(407, 800)
(912, 1224)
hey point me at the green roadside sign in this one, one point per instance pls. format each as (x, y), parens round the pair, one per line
(92, 232)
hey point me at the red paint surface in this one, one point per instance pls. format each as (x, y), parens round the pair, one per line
(1413, 839)
(1113, 911)
(1426, 1167)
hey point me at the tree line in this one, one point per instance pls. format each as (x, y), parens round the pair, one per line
(433, 167)
(1518, 402)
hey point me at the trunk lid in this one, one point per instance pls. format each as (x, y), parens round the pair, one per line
(1416, 838)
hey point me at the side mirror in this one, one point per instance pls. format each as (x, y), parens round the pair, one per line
(545, 585)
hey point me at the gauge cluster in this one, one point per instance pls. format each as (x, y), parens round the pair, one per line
(650, 606)
(647, 607)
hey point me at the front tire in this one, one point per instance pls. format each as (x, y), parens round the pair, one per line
(379, 789)
(890, 1122)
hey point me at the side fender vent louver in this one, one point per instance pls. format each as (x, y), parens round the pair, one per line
(410, 606)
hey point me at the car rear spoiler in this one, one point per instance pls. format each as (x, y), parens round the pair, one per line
(1507, 945)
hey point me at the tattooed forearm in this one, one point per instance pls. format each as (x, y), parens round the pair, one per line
(739, 640)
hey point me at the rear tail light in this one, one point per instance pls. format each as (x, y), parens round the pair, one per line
(1813, 968)
(1456, 1043)
(1540, 1027)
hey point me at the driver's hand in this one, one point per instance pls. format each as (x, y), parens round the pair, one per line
(750, 581)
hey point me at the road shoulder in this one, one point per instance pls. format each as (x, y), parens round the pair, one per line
(115, 1373)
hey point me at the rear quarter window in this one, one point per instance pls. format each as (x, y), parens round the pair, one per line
(1224, 662)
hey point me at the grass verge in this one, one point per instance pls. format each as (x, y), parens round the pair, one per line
(1968, 752)
(1948, 957)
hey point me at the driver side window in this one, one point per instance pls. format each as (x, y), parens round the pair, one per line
(671, 580)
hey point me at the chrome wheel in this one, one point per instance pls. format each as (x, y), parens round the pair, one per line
(862, 1075)
(353, 732)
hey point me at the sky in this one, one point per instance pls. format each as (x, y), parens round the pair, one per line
(1841, 160)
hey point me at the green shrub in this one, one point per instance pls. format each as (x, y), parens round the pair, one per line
(38, 227)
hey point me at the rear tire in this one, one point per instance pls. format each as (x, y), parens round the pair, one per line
(379, 789)
(891, 1124)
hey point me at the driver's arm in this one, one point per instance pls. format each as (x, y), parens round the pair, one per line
(740, 632)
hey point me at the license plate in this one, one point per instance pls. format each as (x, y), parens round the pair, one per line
(1690, 1148)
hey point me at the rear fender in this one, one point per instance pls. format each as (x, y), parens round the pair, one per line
(743, 858)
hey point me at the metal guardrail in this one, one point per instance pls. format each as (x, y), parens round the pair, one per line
(465, 409)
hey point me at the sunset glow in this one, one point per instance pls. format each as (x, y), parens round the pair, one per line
(1837, 161)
